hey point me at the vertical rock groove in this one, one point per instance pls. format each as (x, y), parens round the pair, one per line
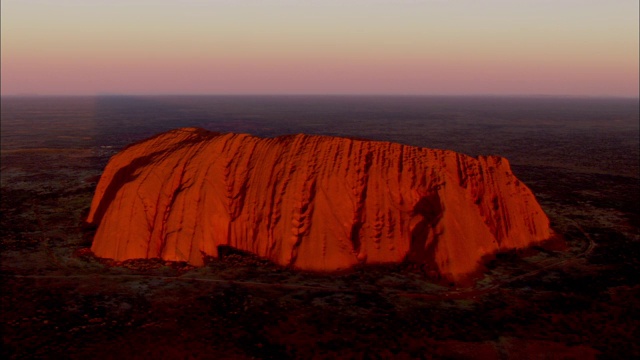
(310, 202)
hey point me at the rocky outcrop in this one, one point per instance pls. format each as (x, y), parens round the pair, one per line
(310, 202)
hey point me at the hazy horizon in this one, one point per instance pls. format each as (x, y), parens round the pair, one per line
(319, 95)
(284, 47)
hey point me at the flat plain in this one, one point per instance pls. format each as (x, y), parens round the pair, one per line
(579, 156)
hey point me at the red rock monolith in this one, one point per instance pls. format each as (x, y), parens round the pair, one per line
(310, 202)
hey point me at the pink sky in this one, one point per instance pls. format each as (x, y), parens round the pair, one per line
(560, 47)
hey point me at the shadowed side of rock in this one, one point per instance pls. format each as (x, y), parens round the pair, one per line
(310, 202)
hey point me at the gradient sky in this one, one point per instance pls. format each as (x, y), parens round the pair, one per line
(456, 47)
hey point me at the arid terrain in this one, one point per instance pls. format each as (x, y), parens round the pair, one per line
(578, 301)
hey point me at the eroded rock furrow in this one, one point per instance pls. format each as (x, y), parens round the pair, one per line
(310, 202)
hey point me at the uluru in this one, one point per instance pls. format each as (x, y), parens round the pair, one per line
(307, 202)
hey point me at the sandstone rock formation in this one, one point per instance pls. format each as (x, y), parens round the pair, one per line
(310, 202)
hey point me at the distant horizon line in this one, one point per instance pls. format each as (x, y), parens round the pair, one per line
(565, 96)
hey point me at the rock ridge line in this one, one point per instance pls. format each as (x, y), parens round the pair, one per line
(310, 202)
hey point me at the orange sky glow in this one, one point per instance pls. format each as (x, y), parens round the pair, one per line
(430, 47)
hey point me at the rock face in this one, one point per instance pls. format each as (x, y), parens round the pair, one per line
(310, 202)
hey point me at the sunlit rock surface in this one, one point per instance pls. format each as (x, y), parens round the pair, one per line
(310, 202)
